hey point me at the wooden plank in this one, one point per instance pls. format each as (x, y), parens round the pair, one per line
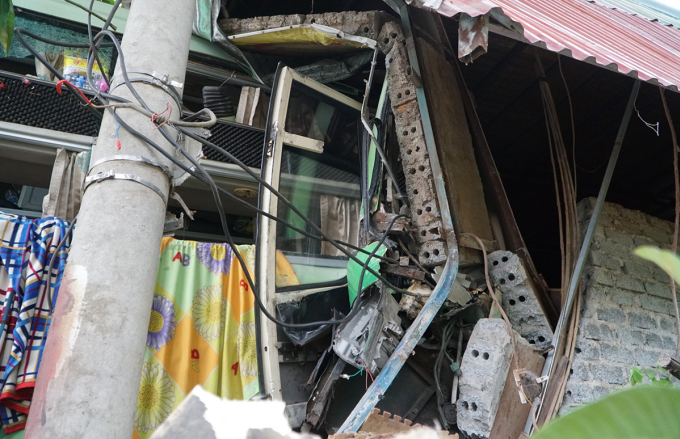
(454, 145)
(512, 414)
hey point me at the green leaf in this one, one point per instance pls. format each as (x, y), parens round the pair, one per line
(635, 376)
(6, 24)
(643, 412)
(666, 259)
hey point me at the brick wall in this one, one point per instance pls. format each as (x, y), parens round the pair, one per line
(626, 315)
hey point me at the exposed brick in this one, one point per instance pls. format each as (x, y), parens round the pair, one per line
(620, 238)
(646, 358)
(601, 331)
(580, 370)
(658, 236)
(658, 289)
(605, 373)
(630, 336)
(644, 240)
(586, 350)
(643, 321)
(669, 343)
(580, 393)
(605, 260)
(656, 304)
(654, 340)
(600, 275)
(613, 249)
(637, 269)
(610, 314)
(667, 324)
(616, 354)
(629, 283)
(622, 297)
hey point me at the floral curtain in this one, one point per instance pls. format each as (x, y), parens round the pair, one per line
(201, 331)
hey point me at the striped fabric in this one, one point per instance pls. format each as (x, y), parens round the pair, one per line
(26, 247)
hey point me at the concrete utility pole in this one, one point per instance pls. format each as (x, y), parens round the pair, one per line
(90, 372)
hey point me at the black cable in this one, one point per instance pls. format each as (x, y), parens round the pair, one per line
(89, 36)
(214, 188)
(447, 333)
(380, 243)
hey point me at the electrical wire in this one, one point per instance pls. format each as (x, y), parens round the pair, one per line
(206, 177)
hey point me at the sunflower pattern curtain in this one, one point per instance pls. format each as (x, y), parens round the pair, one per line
(201, 331)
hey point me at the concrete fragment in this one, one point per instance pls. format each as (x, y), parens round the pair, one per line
(519, 298)
(484, 371)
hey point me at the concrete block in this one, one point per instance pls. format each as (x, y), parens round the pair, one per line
(667, 324)
(611, 314)
(658, 289)
(622, 297)
(606, 373)
(599, 275)
(617, 354)
(580, 370)
(646, 358)
(654, 340)
(656, 304)
(598, 331)
(613, 249)
(643, 321)
(519, 299)
(586, 350)
(604, 260)
(629, 283)
(620, 238)
(632, 337)
(484, 370)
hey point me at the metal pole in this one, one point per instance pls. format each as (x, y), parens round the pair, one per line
(91, 368)
(580, 262)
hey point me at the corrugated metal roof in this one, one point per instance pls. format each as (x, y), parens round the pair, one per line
(587, 31)
(634, 8)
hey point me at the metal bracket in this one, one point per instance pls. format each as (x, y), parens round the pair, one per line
(111, 175)
(135, 158)
(157, 79)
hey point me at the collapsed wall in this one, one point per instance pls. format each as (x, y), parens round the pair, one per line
(627, 317)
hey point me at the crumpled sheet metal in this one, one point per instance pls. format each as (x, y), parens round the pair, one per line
(586, 31)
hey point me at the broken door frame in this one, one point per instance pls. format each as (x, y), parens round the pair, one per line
(276, 137)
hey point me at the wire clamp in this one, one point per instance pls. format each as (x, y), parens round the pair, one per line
(134, 158)
(111, 175)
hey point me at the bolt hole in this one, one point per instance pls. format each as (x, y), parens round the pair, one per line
(522, 298)
(474, 407)
(511, 277)
(494, 263)
(412, 171)
(541, 339)
(504, 259)
(426, 255)
(502, 281)
(407, 92)
(398, 95)
(408, 70)
(419, 211)
(475, 353)
(436, 252)
(532, 341)
(366, 29)
(568, 392)
(571, 371)
(428, 209)
(577, 350)
(512, 302)
(391, 60)
(415, 191)
(408, 151)
(405, 133)
(423, 233)
(313, 20)
(417, 148)
(465, 405)
(413, 129)
(421, 168)
(485, 355)
(393, 35)
(386, 40)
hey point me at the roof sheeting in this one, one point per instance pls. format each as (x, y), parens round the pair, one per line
(635, 8)
(587, 31)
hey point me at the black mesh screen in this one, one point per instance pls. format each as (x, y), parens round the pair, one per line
(37, 104)
(244, 143)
